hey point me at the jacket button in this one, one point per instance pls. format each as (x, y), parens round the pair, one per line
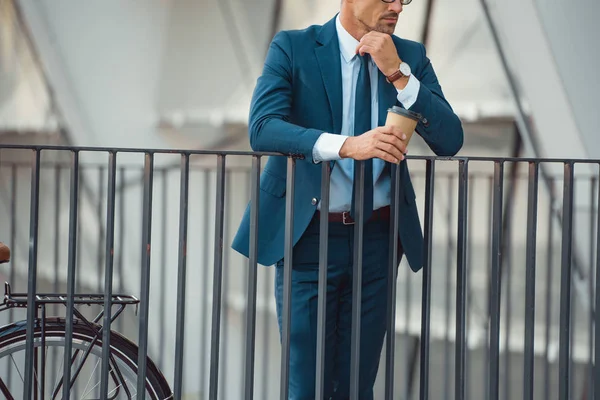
(314, 201)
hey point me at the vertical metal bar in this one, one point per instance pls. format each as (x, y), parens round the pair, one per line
(461, 281)
(217, 279)
(99, 252)
(73, 225)
(13, 223)
(252, 278)
(13, 236)
(42, 386)
(590, 371)
(32, 273)
(565, 283)
(322, 290)
(409, 346)
(79, 242)
(223, 387)
(163, 262)
(548, 302)
(530, 263)
(427, 262)
(245, 282)
(357, 284)
(469, 296)
(181, 274)
(286, 318)
(506, 263)
(121, 228)
(488, 275)
(390, 339)
(108, 270)
(57, 188)
(266, 343)
(204, 290)
(99, 249)
(493, 385)
(36, 375)
(596, 379)
(573, 308)
(55, 284)
(145, 278)
(448, 280)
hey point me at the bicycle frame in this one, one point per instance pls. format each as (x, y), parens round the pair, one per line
(19, 300)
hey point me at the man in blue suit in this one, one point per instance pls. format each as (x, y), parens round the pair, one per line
(323, 96)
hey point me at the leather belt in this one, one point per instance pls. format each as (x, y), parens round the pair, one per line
(380, 214)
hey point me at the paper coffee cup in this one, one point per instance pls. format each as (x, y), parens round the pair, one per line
(404, 119)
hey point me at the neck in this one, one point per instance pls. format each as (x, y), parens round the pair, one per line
(352, 25)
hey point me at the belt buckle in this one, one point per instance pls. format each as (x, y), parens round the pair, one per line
(346, 219)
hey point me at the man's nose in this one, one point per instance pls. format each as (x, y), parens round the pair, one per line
(396, 6)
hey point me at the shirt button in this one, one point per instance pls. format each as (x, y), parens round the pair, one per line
(314, 201)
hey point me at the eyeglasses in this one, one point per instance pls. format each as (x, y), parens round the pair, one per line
(403, 2)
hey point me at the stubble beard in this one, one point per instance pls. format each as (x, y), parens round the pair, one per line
(385, 28)
(381, 27)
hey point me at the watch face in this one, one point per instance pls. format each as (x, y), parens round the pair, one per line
(405, 69)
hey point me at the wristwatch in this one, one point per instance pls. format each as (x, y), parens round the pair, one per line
(403, 70)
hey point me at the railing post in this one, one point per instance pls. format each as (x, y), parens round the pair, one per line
(217, 280)
(145, 276)
(493, 384)
(390, 347)
(29, 378)
(71, 264)
(448, 282)
(181, 274)
(322, 290)
(530, 266)
(426, 302)
(357, 283)
(597, 308)
(252, 280)
(286, 319)
(461, 281)
(565, 290)
(108, 271)
(548, 301)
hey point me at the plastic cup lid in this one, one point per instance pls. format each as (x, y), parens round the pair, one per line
(405, 113)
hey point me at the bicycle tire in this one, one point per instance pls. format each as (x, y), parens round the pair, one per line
(120, 347)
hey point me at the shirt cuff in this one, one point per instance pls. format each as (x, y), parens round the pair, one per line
(327, 147)
(408, 96)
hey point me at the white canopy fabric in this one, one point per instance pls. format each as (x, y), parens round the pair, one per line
(24, 99)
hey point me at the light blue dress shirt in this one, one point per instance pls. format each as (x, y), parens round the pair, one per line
(328, 145)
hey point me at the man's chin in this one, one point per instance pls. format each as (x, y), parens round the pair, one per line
(387, 28)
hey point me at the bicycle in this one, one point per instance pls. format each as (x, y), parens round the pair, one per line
(50, 332)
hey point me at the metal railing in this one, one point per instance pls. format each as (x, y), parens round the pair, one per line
(102, 186)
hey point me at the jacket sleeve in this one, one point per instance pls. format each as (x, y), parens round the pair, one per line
(440, 127)
(271, 106)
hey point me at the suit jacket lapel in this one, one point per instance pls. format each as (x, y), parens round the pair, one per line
(328, 57)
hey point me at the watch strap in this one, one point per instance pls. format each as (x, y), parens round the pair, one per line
(394, 77)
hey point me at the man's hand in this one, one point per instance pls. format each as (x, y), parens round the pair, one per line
(384, 142)
(382, 50)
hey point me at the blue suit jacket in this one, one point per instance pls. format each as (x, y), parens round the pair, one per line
(296, 99)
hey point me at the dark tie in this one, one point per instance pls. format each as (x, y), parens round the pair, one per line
(362, 124)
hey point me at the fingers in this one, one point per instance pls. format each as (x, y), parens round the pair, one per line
(381, 154)
(393, 147)
(362, 49)
(392, 130)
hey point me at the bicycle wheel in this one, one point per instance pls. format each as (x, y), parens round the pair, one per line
(85, 371)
